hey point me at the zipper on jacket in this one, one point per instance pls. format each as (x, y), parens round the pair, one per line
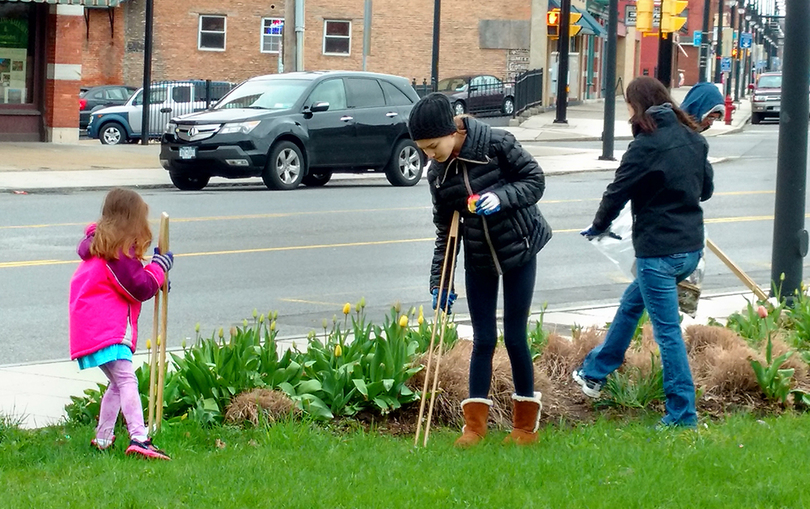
(484, 221)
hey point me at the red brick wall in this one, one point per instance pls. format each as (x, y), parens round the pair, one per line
(402, 36)
(103, 51)
(64, 45)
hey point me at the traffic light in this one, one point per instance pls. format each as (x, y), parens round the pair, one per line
(553, 23)
(644, 15)
(733, 52)
(670, 9)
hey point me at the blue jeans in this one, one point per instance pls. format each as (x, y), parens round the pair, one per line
(655, 289)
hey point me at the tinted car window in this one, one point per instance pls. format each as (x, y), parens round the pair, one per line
(452, 85)
(181, 94)
(264, 94)
(365, 93)
(117, 94)
(331, 91)
(98, 95)
(396, 97)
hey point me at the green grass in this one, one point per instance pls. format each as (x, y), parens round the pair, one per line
(735, 463)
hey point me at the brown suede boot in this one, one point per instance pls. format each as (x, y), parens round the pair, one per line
(476, 411)
(525, 418)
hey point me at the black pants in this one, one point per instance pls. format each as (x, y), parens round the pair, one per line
(482, 299)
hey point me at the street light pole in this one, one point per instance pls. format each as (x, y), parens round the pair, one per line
(147, 71)
(718, 47)
(609, 128)
(704, 43)
(740, 16)
(790, 239)
(562, 65)
(434, 68)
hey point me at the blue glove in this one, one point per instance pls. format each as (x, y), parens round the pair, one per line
(166, 261)
(487, 204)
(447, 303)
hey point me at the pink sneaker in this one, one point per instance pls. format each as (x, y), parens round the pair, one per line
(95, 443)
(146, 449)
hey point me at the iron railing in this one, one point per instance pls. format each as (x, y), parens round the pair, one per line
(528, 90)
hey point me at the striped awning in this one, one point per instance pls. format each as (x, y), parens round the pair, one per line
(86, 3)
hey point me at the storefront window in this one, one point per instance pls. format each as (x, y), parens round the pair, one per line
(16, 53)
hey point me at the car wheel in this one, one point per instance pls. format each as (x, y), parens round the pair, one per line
(756, 118)
(508, 106)
(459, 108)
(405, 166)
(285, 167)
(112, 134)
(317, 179)
(184, 181)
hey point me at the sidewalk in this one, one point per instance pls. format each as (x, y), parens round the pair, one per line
(45, 167)
(36, 393)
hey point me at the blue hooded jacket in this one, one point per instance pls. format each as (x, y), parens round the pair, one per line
(703, 99)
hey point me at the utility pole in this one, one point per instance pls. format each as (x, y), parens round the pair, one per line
(366, 32)
(562, 66)
(704, 42)
(740, 17)
(665, 58)
(147, 70)
(730, 75)
(790, 239)
(610, 82)
(718, 47)
(434, 68)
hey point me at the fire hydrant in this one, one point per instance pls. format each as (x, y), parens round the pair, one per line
(729, 108)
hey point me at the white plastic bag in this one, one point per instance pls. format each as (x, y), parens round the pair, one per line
(617, 244)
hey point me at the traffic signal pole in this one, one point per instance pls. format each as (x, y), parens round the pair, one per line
(665, 58)
(562, 65)
(718, 47)
(790, 239)
(704, 42)
(609, 128)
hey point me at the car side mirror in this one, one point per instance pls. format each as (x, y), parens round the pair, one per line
(319, 106)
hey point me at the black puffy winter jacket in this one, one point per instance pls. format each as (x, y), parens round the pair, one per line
(665, 174)
(490, 160)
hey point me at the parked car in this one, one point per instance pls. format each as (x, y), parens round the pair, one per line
(94, 98)
(298, 128)
(120, 124)
(478, 94)
(766, 97)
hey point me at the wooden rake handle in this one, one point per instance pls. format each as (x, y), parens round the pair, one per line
(747, 281)
(157, 359)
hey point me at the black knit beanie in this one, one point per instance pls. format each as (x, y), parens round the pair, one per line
(431, 117)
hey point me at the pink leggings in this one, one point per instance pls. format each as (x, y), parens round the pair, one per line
(122, 395)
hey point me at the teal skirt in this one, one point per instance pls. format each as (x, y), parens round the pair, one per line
(111, 353)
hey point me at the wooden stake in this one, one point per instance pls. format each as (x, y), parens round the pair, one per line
(163, 247)
(452, 240)
(747, 281)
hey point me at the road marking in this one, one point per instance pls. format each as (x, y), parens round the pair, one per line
(320, 303)
(273, 215)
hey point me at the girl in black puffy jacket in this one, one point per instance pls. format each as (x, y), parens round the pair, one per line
(502, 232)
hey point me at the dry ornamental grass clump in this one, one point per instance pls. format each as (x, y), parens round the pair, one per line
(259, 404)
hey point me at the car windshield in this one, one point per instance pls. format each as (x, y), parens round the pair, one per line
(452, 85)
(770, 82)
(264, 95)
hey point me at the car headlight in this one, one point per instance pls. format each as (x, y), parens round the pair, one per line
(239, 127)
(170, 128)
(760, 98)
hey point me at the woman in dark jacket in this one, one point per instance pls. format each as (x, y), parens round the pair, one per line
(665, 174)
(501, 234)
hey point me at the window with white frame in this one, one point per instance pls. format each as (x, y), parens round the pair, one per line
(337, 37)
(272, 32)
(211, 34)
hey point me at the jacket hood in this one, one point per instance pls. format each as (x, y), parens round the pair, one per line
(476, 145)
(702, 99)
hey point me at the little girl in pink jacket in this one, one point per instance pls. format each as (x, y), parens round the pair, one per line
(106, 292)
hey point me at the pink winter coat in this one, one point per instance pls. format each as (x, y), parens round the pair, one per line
(105, 299)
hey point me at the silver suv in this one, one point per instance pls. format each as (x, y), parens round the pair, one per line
(766, 97)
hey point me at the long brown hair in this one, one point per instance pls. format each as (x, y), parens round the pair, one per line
(123, 227)
(645, 92)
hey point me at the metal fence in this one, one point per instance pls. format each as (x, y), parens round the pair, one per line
(169, 99)
(528, 90)
(473, 94)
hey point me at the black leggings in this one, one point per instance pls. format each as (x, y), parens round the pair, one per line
(482, 299)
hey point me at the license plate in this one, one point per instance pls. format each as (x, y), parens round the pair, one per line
(188, 152)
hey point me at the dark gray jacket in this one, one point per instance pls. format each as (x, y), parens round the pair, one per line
(490, 160)
(665, 175)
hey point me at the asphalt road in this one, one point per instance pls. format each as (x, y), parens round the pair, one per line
(304, 253)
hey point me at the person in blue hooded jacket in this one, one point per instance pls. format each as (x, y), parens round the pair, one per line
(705, 104)
(665, 175)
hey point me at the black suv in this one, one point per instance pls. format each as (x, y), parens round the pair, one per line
(297, 128)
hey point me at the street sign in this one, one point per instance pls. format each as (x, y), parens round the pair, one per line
(745, 40)
(696, 38)
(725, 64)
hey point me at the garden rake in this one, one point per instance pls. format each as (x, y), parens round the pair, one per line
(157, 361)
(445, 284)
